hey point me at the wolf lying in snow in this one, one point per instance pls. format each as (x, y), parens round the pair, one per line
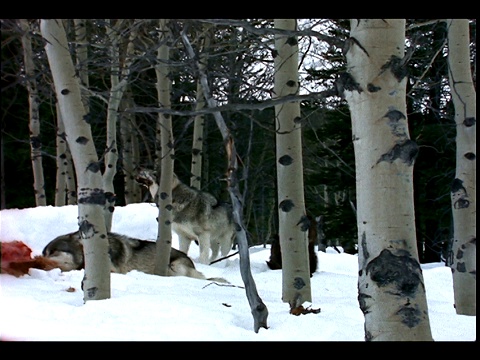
(126, 254)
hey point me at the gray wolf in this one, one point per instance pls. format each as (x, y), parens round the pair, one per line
(198, 216)
(126, 254)
(275, 261)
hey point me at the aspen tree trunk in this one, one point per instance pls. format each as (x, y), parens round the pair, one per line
(130, 151)
(91, 196)
(391, 287)
(118, 79)
(81, 50)
(61, 148)
(34, 124)
(293, 222)
(165, 162)
(199, 122)
(66, 191)
(464, 208)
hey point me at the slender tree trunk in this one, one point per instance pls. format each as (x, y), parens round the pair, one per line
(164, 130)
(66, 190)
(91, 196)
(118, 79)
(391, 287)
(199, 122)
(62, 170)
(34, 124)
(130, 151)
(464, 208)
(81, 50)
(293, 222)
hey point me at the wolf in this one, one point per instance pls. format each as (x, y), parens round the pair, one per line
(197, 216)
(126, 254)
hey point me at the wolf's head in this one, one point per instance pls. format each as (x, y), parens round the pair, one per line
(67, 251)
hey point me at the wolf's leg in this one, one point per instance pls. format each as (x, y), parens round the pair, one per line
(214, 245)
(183, 243)
(204, 243)
(226, 244)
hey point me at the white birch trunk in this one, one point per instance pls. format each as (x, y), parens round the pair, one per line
(91, 196)
(464, 208)
(164, 201)
(293, 223)
(391, 287)
(34, 124)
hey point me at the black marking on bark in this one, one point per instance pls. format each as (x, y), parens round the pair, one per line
(457, 185)
(195, 151)
(461, 203)
(470, 121)
(470, 156)
(411, 316)
(63, 156)
(460, 194)
(461, 267)
(304, 223)
(297, 120)
(91, 292)
(365, 252)
(406, 151)
(62, 136)
(373, 88)
(362, 301)
(35, 142)
(298, 283)
(394, 115)
(96, 197)
(168, 222)
(110, 196)
(459, 254)
(82, 140)
(352, 40)
(347, 82)
(401, 271)
(169, 207)
(291, 83)
(163, 195)
(397, 67)
(111, 209)
(286, 205)
(65, 92)
(285, 160)
(274, 53)
(93, 167)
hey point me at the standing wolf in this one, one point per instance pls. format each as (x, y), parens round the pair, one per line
(197, 215)
(126, 254)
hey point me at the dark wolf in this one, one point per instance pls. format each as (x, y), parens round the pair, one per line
(275, 261)
(197, 216)
(126, 254)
